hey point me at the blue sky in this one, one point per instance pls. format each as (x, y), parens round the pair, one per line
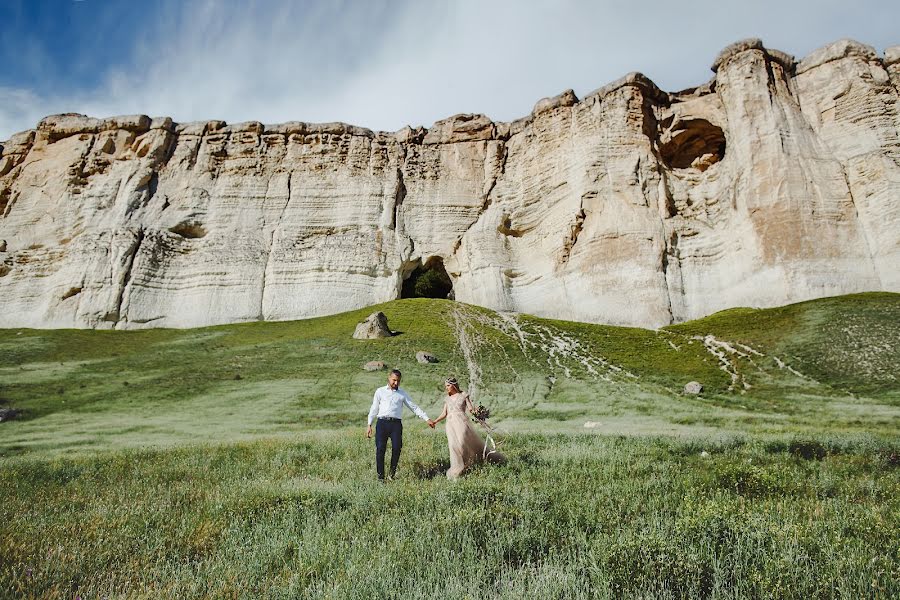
(382, 64)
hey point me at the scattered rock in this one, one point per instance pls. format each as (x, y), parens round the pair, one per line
(460, 128)
(425, 357)
(591, 424)
(704, 454)
(693, 388)
(8, 414)
(892, 55)
(375, 326)
(67, 124)
(2, 245)
(567, 98)
(374, 365)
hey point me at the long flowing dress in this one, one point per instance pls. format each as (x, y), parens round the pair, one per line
(466, 446)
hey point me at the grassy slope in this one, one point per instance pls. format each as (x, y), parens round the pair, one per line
(95, 389)
(229, 461)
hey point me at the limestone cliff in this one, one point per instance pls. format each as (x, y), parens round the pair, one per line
(774, 182)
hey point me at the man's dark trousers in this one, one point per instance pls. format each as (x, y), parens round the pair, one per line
(384, 429)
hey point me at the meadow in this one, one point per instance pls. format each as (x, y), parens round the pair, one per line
(230, 461)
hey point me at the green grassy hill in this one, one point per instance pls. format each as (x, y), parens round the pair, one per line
(816, 366)
(229, 461)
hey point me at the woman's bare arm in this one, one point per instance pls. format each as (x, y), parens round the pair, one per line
(443, 414)
(469, 404)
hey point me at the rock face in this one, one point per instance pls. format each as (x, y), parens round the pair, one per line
(775, 182)
(375, 326)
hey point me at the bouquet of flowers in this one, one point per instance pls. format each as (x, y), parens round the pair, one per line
(481, 413)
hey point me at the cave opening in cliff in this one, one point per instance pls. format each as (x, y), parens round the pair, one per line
(694, 143)
(428, 280)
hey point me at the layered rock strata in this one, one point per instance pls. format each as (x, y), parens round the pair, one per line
(776, 181)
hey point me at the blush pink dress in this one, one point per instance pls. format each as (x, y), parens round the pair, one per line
(466, 446)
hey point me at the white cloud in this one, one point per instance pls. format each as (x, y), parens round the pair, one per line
(386, 64)
(19, 110)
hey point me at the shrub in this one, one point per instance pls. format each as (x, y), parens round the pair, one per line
(808, 449)
(749, 480)
(651, 564)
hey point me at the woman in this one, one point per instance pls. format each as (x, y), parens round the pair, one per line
(466, 446)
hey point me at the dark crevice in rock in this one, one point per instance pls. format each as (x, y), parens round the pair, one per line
(399, 197)
(5, 194)
(428, 280)
(649, 124)
(142, 321)
(126, 279)
(488, 199)
(503, 152)
(79, 172)
(194, 151)
(72, 292)
(261, 315)
(152, 185)
(189, 229)
(574, 232)
(169, 148)
(505, 227)
(770, 80)
(10, 202)
(262, 290)
(693, 143)
(667, 202)
(194, 154)
(290, 176)
(666, 123)
(671, 247)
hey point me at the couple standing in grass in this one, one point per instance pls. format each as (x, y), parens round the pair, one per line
(466, 446)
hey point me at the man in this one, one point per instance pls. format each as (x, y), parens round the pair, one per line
(387, 405)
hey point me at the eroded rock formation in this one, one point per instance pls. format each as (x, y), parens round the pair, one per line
(776, 181)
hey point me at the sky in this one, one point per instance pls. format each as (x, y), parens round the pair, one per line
(381, 64)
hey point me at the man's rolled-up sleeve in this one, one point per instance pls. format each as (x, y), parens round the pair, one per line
(373, 412)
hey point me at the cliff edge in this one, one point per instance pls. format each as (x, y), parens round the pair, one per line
(777, 181)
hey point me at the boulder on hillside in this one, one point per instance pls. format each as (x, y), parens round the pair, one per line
(374, 365)
(425, 357)
(375, 326)
(8, 414)
(693, 388)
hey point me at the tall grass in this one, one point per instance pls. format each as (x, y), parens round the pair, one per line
(569, 516)
(230, 462)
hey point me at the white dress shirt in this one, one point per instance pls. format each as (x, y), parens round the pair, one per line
(389, 403)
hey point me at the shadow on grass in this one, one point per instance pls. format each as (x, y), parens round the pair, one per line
(430, 469)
